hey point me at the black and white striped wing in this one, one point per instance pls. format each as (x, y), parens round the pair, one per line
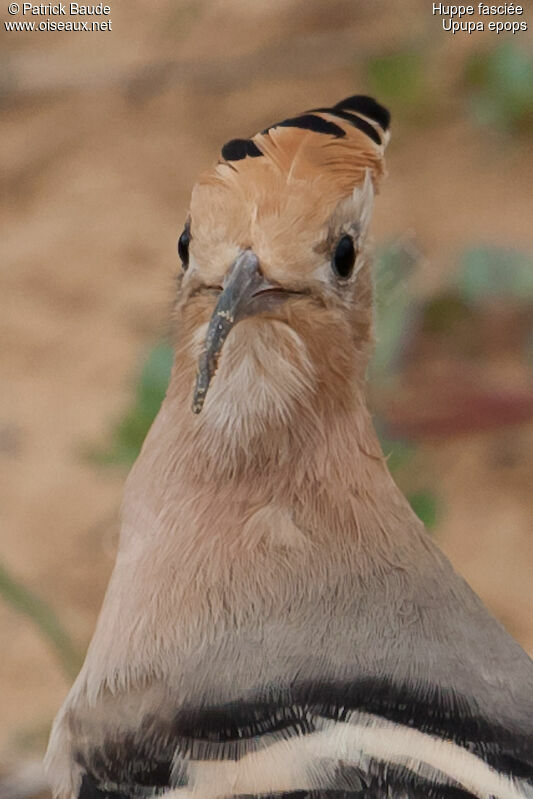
(369, 740)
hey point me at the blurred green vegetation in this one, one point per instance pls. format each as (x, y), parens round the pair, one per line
(395, 306)
(24, 601)
(484, 274)
(396, 313)
(487, 273)
(148, 394)
(400, 79)
(500, 85)
(496, 84)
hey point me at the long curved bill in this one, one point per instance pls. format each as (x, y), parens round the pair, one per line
(235, 302)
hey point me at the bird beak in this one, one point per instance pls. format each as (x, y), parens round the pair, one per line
(245, 292)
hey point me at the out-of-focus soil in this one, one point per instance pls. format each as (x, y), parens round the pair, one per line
(101, 151)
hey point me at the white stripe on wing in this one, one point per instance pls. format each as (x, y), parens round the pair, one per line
(295, 763)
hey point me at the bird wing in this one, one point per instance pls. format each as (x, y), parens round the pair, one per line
(440, 706)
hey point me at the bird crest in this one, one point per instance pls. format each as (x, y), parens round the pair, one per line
(343, 141)
(305, 165)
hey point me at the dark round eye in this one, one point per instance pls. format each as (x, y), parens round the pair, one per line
(343, 257)
(183, 246)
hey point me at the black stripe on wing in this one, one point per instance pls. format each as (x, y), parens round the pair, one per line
(437, 712)
(434, 711)
(93, 787)
(227, 734)
(90, 789)
(136, 765)
(142, 761)
(238, 721)
(402, 786)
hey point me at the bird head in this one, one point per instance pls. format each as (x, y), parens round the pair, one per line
(275, 296)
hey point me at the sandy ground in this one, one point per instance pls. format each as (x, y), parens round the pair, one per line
(103, 137)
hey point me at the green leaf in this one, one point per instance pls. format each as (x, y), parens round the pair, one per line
(425, 506)
(154, 378)
(24, 601)
(150, 391)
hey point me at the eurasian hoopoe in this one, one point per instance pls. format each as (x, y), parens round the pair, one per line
(278, 623)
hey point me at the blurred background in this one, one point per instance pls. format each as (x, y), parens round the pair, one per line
(103, 135)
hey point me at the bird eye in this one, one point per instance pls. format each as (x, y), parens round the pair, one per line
(183, 246)
(344, 257)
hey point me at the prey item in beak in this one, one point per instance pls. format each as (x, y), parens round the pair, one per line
(245, 292)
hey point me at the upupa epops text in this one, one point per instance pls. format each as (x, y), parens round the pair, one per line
(278, 623)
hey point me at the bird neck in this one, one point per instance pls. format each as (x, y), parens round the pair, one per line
(241, 534)
(323, 452)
